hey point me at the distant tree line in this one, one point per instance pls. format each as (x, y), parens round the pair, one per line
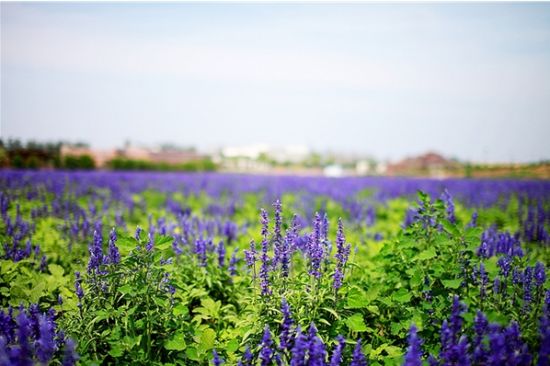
(36, 155)
(190, 166)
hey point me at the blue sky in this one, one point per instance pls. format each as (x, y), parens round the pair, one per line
(469, 80)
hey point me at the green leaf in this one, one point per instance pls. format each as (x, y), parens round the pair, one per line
(56, 270)
(192, 354)
(207, 339)
(427, 254)
(116, 350)
(356, 323)
(176, 343)
(126, 289)
(454, 284)
(357, 299)
(232, 346)
(402, 296)
(180, 309)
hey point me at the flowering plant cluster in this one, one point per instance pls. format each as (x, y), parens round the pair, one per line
(197, 269)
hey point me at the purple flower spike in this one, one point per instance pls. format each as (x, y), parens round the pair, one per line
(358, 358)
(336, 359)
(266, 353)
(413, 357)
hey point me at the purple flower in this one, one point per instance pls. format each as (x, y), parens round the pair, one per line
(78, 287)
(250, 255)
(46, 345)
(23, 354)
(413, 357)
(540, 274)
(278, 237)
(358, 358)
(299, 350)
(336, 358)
(96, 253)
(544, 332)
(496, 285)
(221, 254)
(448, 199)
(233, 262)
(285, 336)
(247, 358)
(317, 352)
(70, 357)
(527, 287)
(342, 254)
(505, 263)
(200, 251)
(265, 223)
(266, 353)
(483, 278)
(114, 255)
(217, 361)
(150, 242)
(137, 236)
(473, 220)
(264, 269)
(315, 248)
(480, 328)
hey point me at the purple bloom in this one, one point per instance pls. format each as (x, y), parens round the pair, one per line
(150, 242)
(540, 274)
(413, 357)
(266, 353)
(473, 220)
(265, 223)
(137, 236)
(250, 255)
(23, 354)
(285, 336)
(70, 357)
(96, 253)
(342, 254)
(221, 254)
(544, 332)
(233, 263)
(527, 287)
(448, 199)
(114, 255)
(315, 248)
(299, 350)
(46, 344)
(496, 285)
(200, 251)
(264, 269)
(336, 358)
(480, 328)
(505, 263)
(217, 361)
(247, 358)
(78, 287)
(317, 352)
(358, 358)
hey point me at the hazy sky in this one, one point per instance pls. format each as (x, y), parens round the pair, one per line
(469, 80)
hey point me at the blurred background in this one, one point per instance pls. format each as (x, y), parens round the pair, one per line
(427, 89)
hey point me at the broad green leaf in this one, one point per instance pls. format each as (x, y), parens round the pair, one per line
(356, 323)
(356, 299)
(454, 284)
(207, 339)
(427, 254)
(176, 343)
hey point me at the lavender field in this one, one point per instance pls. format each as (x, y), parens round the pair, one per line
(197, 269)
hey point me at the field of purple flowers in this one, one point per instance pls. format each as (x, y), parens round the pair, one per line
(199, 269)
